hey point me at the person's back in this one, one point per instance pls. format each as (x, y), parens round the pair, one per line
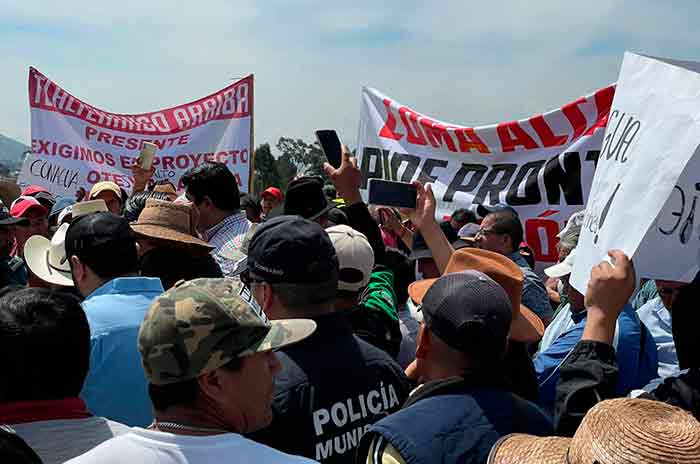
(49, 361)
(102, 250)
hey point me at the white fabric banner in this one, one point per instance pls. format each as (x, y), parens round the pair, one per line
(542, 166)
(644, 195)
(76, 145)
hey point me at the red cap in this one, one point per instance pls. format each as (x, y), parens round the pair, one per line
(32, 190)
(274, 192)
(23, 204)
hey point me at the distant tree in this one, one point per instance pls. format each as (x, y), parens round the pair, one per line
(286, 170)
(266, 173)
(307, 158)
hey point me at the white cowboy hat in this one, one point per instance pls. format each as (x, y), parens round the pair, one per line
(47, 258)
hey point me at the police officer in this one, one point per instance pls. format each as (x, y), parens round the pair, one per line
(333, 386)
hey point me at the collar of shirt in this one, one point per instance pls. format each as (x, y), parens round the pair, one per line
(224, 223)
(34, 411)
(333, 325)
(126, 285)
(657, 307)
(518, 259)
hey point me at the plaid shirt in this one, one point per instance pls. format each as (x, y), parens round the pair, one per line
(227, 235)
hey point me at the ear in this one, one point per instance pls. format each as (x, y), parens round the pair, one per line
(423, 342)
(78, 269)
(211, 385)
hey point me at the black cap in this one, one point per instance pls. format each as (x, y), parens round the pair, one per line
(485, 210)
(290, 249)
(97, 230)
(6, 219)
(461, 306)
(420, 250)
(305, 198)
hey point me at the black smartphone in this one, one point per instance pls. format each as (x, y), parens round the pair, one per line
(330, 144)
(390, 193)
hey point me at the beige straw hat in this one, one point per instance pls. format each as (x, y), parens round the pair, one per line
(165, 220)
(619, 431)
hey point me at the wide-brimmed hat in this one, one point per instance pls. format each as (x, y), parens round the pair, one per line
(563, 268)
(305, 198)
(6, 219)
(104, 186)
(619, 431)
(165, 220)
(525, 326)
(47, 258)
(84, 208)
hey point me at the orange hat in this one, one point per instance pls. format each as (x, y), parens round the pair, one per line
(525, 326)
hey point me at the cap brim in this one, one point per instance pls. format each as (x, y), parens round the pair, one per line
(163, 233)
(36, 254)
(558, 270)
(420, 254)
(13, 221)
(286, 332)
(529, 449)
(526, 326)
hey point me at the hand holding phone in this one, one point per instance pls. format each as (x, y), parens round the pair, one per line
(148, 152)
(390, 193)
(330, 144)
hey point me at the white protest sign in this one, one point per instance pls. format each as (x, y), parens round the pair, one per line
(542, 166)
(644, 192)
(71, 137)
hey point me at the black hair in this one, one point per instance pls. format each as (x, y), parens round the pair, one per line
(404, 272)
(213, 180)
(306, 297)
(111, 260)
(330, 192)
(162, 182)
(463, 216)
(137, 202)
(44, 345)
(507, 223)
(172, 264)
(182, 393)
(249, 201)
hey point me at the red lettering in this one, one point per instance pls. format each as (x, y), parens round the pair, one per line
(126, 161)
(512, 135)
(93, 177)
(118, 141)
(576, 117)
(104, 137)
(468, 141)
(181, 161)
(548, 251)
(196, 159)
(603, 102)
(437, 133)
(90, 131)
(234, 156)
(64, 151)
(244, 156)
(545, 132)
(389, 129)
(43, 147)
(168, 162)
(183, 139)
(413, 133)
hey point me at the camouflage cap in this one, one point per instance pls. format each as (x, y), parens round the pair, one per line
(200, 325)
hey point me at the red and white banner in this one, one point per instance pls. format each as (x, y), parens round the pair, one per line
(75, 145)
(542, 166)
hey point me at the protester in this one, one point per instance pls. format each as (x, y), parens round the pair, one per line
(167, 247)
(617, 431)
(502, 232)
(460, 218)
(47, 258)
(110, 193)
(45, 351)
(252, 208)
(270, 198)
(42, 195)
(101, 249)
(37, 224)
(207, 351)
(61, 211)
(13, 270)
(333, 384)
(305, 198)
(464, 405)
(634, 344)
(137, 202)
(213, 191)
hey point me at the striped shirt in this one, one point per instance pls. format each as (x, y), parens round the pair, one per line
(227, 236)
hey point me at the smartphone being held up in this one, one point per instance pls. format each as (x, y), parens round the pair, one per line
(389, 193)
(148, 152)
(330, 144)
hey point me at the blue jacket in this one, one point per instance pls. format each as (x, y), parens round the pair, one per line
(636, 355)
(456, 421)
(116, 386)
(534, 291)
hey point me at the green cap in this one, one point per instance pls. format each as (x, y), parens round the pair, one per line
(200, 325)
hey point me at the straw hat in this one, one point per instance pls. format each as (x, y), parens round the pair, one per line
(620, 431)
(88, 207)
(47, 259)
(165, 220)
(525, 325)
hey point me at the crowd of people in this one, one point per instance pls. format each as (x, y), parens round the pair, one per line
(201, 326)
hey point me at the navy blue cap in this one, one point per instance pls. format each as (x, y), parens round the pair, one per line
(97, 231)
(485, 210)
(291, 249)
(463, 306)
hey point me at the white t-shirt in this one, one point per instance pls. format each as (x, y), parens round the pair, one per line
(153, 447)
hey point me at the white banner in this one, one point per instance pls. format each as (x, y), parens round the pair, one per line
(542, 166)
(644, 195)
(77, 145)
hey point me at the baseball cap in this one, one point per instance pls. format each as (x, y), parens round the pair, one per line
(458, 305)
(485, 210)
(573, 225)
(305, 198)
(59, 206)
(6, 219)
(355, 257)
(468, 232)
(96, 230)
(419, 249)
(291, 249)
(273, 192)
(563, 268)
(104, 186)
(32, 190)
(198, 326)
(24, 204)
(525, 325)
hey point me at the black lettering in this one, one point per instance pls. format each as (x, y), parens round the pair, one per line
(456, 185)
(426, 173)
(412, 163)
(368, 154)
(592, 155)
(567, 179)
(532, 194)
(491, 187)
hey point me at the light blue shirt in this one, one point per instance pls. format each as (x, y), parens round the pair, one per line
(116, 386)
(657, 318)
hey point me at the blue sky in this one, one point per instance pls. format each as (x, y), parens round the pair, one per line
(471, 63)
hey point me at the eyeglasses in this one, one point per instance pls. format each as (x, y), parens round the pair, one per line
(484, 232)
